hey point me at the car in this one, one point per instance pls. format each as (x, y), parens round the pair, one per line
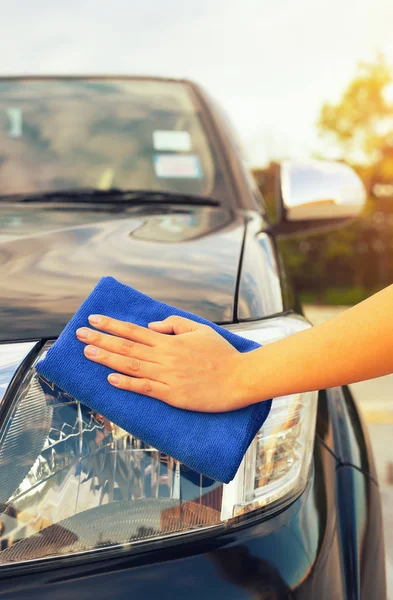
(144, 179)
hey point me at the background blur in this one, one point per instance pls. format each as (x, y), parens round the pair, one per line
(297, 78)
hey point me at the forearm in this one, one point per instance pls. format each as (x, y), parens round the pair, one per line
(353, 346)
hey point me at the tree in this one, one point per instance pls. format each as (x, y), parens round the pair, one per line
(360, 125)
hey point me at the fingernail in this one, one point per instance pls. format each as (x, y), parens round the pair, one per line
(113, 378)
(91, 351)
(95, 319)
(83, 333)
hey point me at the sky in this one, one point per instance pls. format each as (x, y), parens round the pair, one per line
(270, 63)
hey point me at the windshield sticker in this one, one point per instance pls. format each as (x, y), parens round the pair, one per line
(15, 122)
(177, 166)
(177, 141)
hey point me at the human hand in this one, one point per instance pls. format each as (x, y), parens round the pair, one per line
(194, 369)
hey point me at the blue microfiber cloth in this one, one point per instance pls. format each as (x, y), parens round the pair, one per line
(211, 443)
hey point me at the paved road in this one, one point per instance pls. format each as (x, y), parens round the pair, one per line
(375, 398)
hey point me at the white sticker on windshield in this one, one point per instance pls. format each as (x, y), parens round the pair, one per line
(177, 166)
(177, 141)
(15, 120)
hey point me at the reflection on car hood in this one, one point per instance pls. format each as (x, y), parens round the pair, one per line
(51, 259)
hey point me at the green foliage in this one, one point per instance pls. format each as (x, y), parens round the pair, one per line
(346, 296)
(343, 296)
(360, 124)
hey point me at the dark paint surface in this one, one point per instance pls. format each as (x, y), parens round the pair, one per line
(362, 535)
(260, 290)
(351, 441)
(51, 259)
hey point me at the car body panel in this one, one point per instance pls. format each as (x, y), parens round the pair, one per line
(361, 534)
(188, 257)
(260, 291)
(264, 284)
(351, 442)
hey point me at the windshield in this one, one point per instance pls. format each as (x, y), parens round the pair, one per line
(59, 134)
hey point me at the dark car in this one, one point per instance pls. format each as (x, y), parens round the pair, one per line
(143, 179)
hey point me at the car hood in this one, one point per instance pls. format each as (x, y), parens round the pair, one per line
(50, 260)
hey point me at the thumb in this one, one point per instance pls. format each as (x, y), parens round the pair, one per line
(176, 325)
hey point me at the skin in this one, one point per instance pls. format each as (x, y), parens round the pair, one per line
(195, 368)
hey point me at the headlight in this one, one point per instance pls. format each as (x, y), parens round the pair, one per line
(276, 465)
(71, 481)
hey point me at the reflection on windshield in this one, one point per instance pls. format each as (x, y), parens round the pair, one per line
(130, 134)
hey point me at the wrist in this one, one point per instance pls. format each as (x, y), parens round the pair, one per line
(243, 383)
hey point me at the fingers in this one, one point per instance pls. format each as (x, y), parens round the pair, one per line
(123, 329)
(114, 344)
(176, 325)
(123, 364)
(154, 389)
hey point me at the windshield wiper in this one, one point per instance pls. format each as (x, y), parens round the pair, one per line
(112, 196)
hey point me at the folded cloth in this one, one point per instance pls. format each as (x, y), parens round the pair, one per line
(211, 443)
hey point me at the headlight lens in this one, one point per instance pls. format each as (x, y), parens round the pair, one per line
(71, 481)
(11, 356)
(276, 465)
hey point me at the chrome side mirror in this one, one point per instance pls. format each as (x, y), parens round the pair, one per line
(319, 191)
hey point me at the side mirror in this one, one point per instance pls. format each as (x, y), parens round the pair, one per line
(317, 194)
